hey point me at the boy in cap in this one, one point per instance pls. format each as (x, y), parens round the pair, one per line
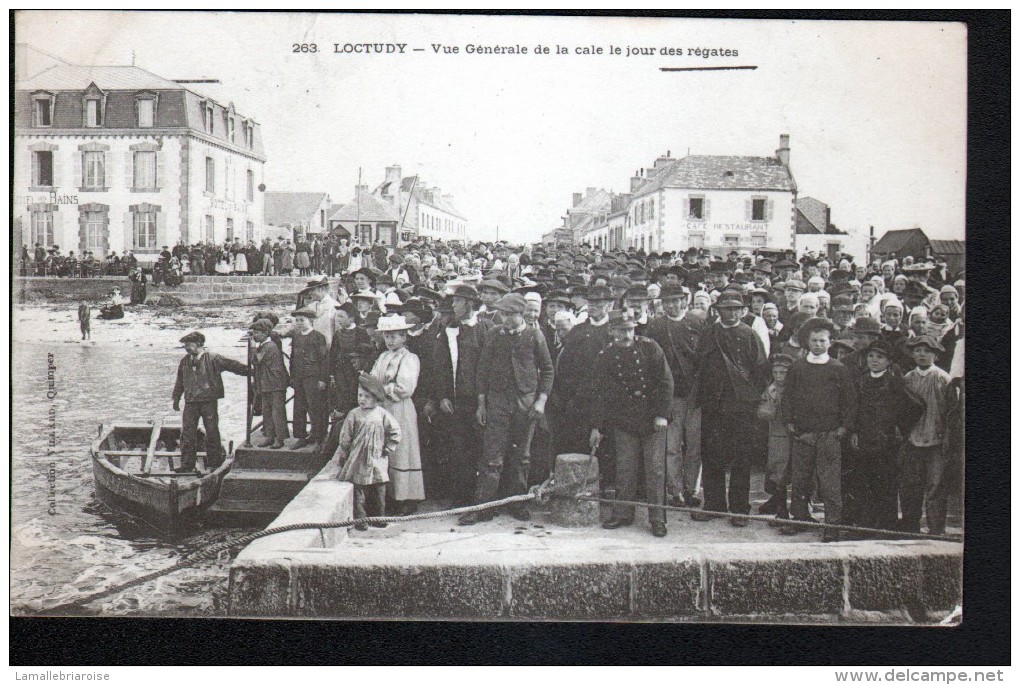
(922, 480)
(271, 381)
(885, 413)
(309, 368)
(777, 465)
(200, 383)
(819, 405)
(368, 437)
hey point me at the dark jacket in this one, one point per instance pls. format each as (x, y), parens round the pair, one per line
(731, 382)
(351, 353)
(819, 397)
(679, 342)
(574, 385)
(531, 364)
(470, 342)
(633, 386)
(270, 371)
(198, 380)
(309, 357)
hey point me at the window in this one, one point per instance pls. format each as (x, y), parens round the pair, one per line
(42, 228)
(230, 229)
(230, 128)
(146, 113)
(95, 223)
(145, 171)
(210, 175)
(758, 206)
(651, 210)
(145, 230)
(696, 208)
(249, 135)
(731, 240)
(94, 167)
(92, 113)
(209, 119)
(42, 168)
(251, 190)
(696, 240)
(249, 230)
(210, 229)
(43, 111)
(758, 240)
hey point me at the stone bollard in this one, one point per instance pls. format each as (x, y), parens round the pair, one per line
(565, 508)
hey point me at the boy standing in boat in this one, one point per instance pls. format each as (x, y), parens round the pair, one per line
(199, 382)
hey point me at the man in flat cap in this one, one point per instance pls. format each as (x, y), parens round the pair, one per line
(678, 336)
(453, 391)
(731, 375)
(200, 383)
(514, 378)
(575, 381)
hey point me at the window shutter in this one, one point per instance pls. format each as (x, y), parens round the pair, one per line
(129, 229)
(768, 210)
(161, 230)
(79, 163)
(57, 176)
(35, 168)
(106, 232)
(159, 169)
(58, 231)
(83, 243)
(109, 173)
(748, 210)
(705, 208)
(129, 169)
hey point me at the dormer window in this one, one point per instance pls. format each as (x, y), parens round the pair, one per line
(209, 112)
(42, 109)
(145, 109)
(92, 107)
(230, 129)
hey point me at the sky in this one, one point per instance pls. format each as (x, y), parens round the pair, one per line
(876, 111)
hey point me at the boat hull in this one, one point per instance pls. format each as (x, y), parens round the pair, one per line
(168, 502)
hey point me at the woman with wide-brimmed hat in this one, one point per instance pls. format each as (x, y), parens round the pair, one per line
(398, 369)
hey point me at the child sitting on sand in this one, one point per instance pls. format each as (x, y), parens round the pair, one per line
(368, 437)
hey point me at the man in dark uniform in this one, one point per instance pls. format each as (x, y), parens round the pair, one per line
(514, 378)
(200, 383)
(633, 391)
(309, 368)
(678, 336)
(730, 378)
(453, 397)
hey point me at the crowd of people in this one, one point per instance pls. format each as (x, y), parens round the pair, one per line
(459, 372)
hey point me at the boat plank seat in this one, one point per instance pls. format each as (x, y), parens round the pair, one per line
(157, 428)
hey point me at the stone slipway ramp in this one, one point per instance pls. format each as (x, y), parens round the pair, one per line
(507, 570)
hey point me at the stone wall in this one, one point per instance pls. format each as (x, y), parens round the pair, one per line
(195, 290)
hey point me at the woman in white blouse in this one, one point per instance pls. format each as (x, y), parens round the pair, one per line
(398, 369)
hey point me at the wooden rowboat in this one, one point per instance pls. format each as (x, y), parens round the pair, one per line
(132, 464)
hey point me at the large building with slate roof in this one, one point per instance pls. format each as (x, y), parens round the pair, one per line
(720, 203)
(116, 158)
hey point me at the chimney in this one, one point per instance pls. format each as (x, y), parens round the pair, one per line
(589, 192)
(663, 161)
(577, 199)
(361, 190)
(635, 181)
(783, 153)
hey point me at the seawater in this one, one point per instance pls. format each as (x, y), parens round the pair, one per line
(65, 543)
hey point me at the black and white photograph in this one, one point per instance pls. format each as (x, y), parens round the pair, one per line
(435, 317)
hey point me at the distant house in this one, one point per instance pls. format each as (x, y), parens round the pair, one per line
(816, 232)
(953, 251)
(367, 218)
(914, 243)
(296, 215)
